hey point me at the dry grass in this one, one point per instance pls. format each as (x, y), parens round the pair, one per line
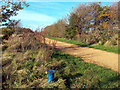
(24, 60)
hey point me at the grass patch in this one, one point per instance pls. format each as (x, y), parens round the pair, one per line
(100, 47)
(79, 74)
(104, 48)
(71, 72)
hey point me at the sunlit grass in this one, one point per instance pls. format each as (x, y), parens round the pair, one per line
(84, 75)
(101, 47)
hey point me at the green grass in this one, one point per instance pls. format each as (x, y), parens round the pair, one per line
(79, 74)
(75, 72)
(100, 47)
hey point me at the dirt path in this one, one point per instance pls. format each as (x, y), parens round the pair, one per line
(101, 58)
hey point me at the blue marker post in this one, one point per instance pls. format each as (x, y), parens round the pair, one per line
(50, 75)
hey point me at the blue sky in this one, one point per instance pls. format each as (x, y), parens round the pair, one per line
(40, 14)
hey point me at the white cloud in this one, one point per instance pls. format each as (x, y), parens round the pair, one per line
(33, 16)
(33, 20)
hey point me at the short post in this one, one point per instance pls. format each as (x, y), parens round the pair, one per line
(50, 75)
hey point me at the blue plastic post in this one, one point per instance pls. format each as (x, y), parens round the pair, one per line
(50, 75)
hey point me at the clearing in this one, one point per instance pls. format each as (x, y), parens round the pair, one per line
(101, 58)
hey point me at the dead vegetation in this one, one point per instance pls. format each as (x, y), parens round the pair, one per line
(25, 60)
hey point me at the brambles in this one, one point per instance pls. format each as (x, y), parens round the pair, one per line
(26, 59)
(20, 58)
(6, 32)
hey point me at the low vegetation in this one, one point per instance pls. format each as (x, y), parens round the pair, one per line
(26, 57)
(79, 74)
(114, 49)
(26, 61)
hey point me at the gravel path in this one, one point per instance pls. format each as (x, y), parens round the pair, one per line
(99, 57)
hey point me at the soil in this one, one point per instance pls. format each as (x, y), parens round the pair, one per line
(90, 55)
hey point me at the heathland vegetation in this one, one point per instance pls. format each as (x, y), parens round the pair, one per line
(26, 56)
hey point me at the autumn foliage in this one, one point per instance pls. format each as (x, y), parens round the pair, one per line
(89, 23)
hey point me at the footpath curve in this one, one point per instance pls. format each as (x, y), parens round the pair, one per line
(95, 56)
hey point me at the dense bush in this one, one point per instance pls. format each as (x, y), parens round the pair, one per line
(6, 32)
(90, 23)
(24, 60)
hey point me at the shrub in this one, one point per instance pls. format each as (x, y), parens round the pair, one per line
(6, 32)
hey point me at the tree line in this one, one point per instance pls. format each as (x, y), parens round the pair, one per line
(88, 23)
